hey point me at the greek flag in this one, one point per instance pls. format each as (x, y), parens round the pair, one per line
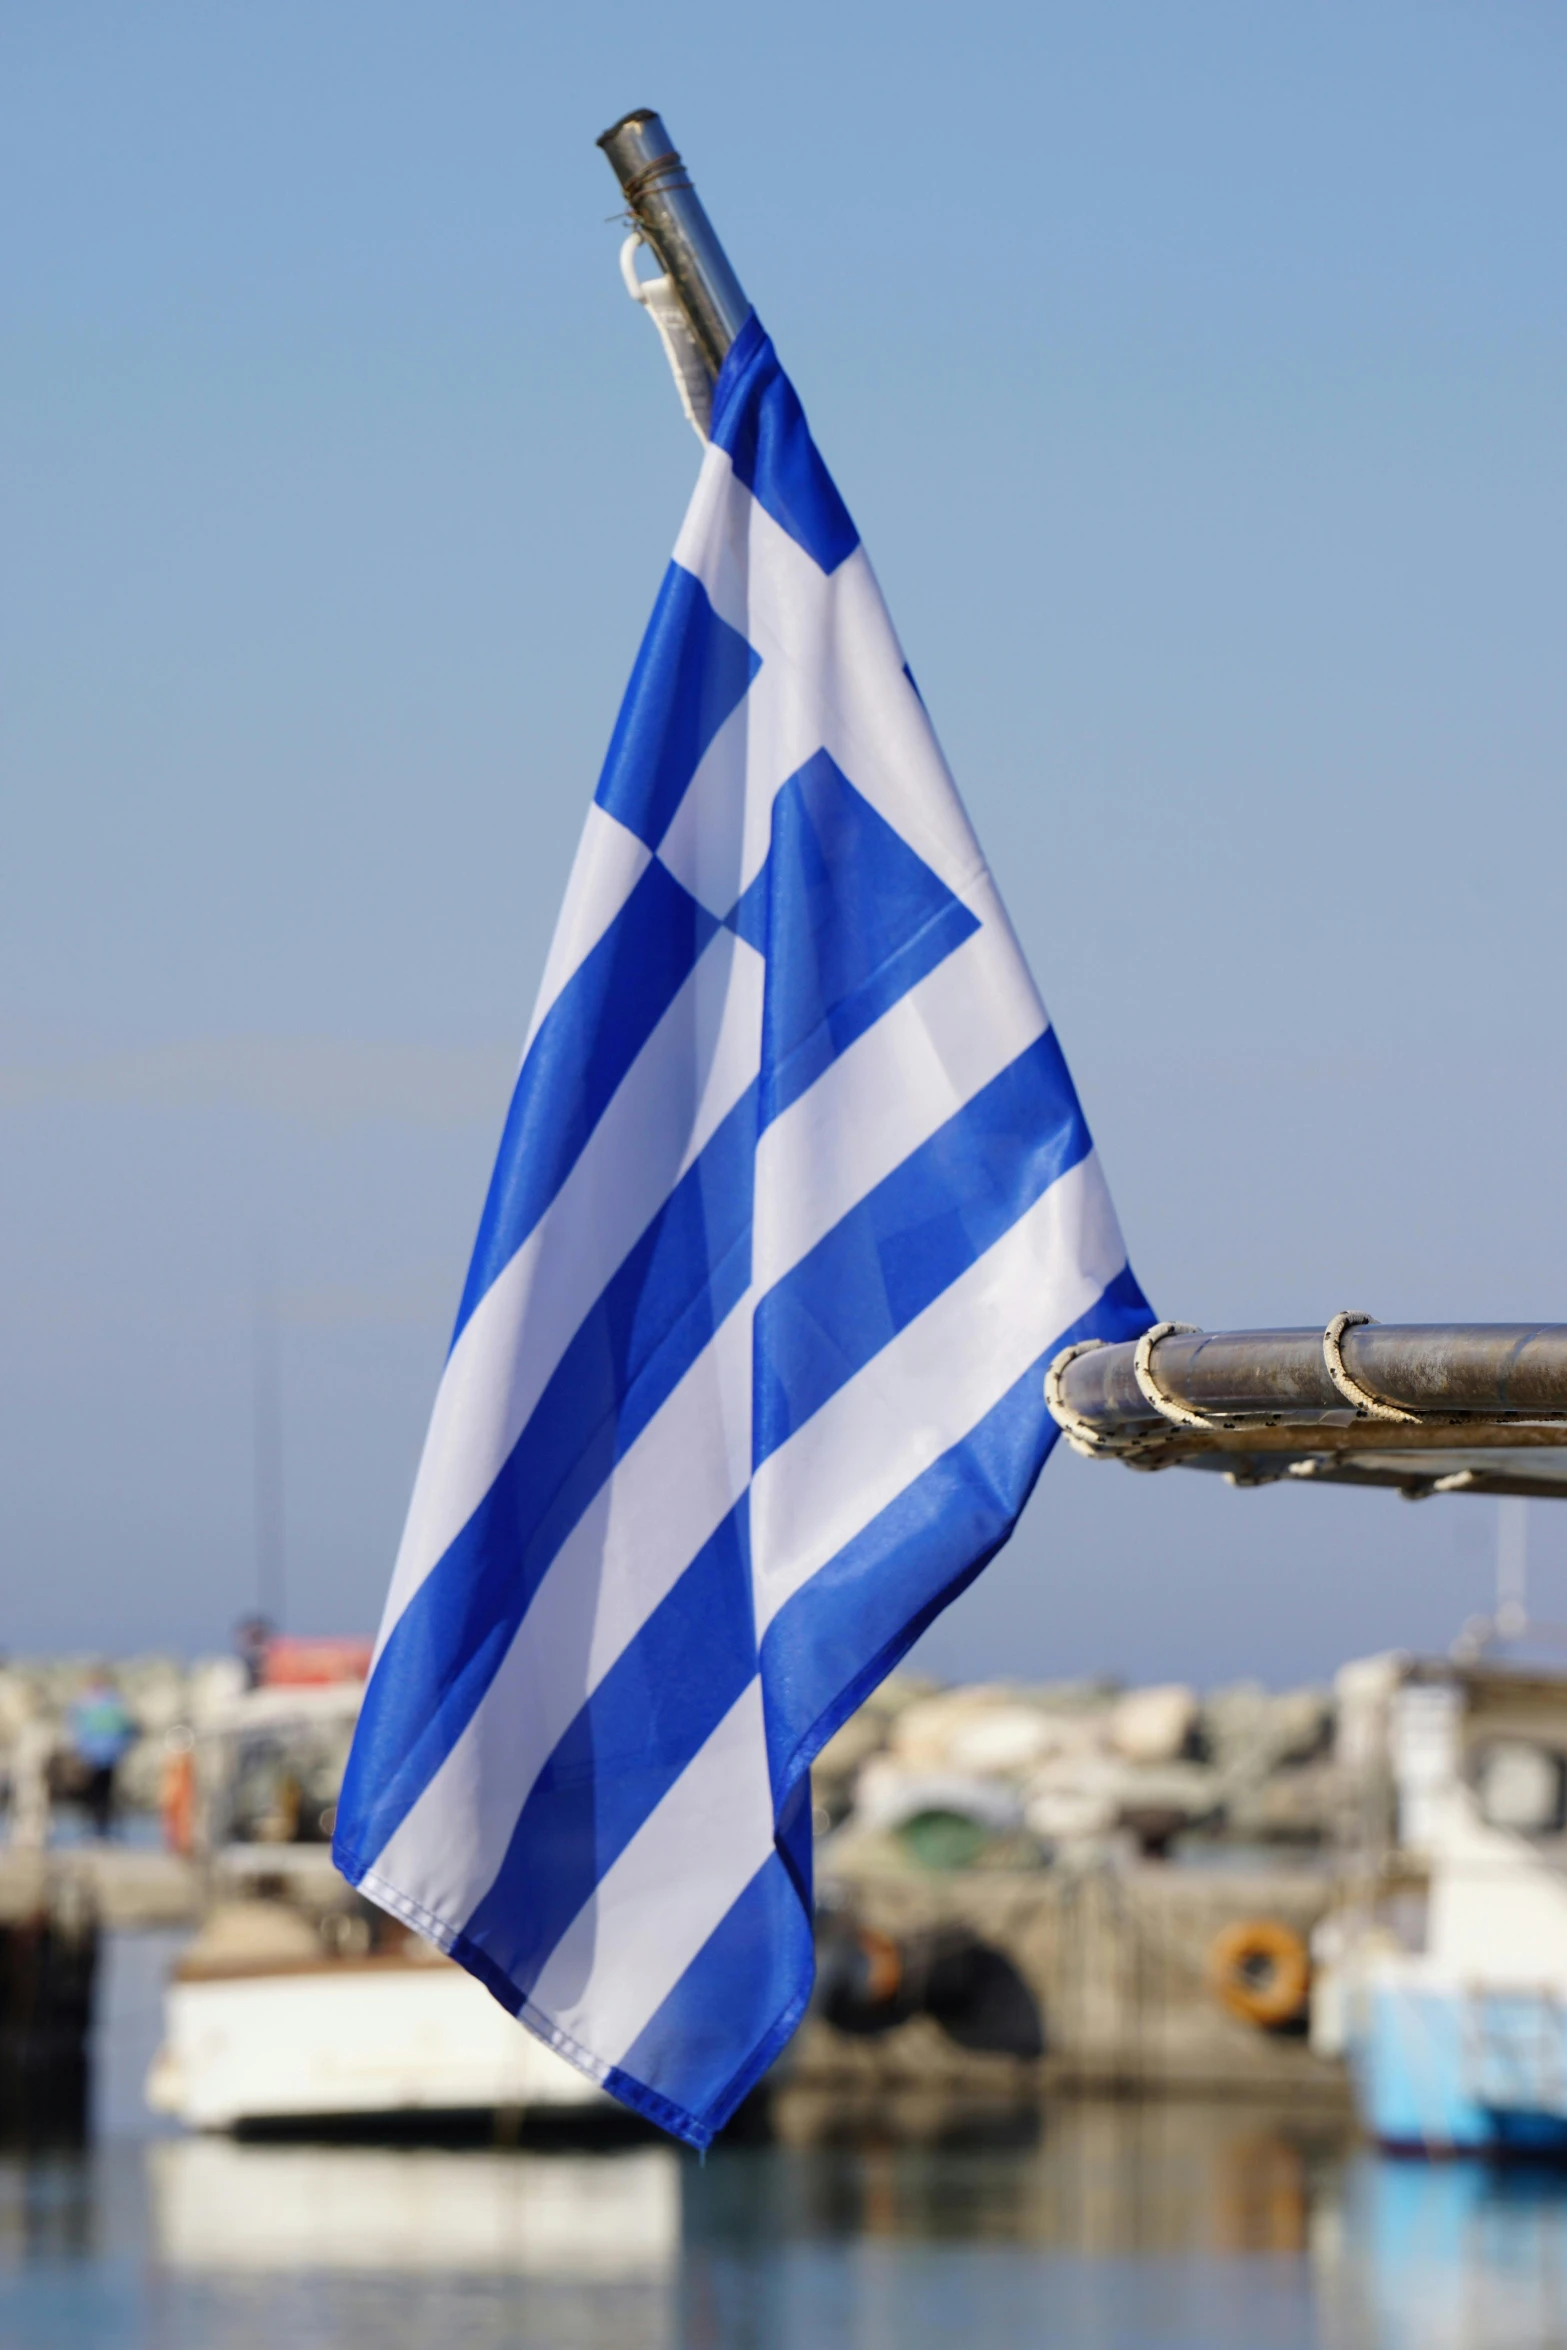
(793, 1205)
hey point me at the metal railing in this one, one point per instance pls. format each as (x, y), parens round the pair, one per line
(1422, 1408)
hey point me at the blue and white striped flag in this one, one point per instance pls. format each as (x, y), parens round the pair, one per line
(793, 1206)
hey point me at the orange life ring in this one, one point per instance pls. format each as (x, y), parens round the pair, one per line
(1260, 1970)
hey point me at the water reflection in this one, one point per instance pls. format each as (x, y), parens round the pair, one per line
(1100, 2228)
(206, 2245)
(1150, 2177)
(366, 2210)
(1442, 2256)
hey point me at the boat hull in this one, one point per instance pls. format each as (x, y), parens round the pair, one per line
(343, 2039)
(1449, 2068)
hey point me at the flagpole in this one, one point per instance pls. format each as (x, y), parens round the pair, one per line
(668, 211)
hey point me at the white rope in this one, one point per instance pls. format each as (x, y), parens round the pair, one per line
(1369, 1406)
(1180, 1415)
(686, 363)
(1137, 1451)
(1080, 1434)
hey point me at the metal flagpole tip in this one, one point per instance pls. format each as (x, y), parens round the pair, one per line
(633, 121)
(668, 212)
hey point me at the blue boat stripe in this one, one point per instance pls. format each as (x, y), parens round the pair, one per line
(680, 1282)
(586, 1044)
(840, 1635)
(921, 1227)
(648, 1718)
(692, 672)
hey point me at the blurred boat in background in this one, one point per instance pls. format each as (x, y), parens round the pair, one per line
(298, 2001)
(1022, 1889)
(1441, 1973)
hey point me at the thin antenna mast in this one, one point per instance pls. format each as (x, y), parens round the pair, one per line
(267, 1438)
(1512, 1566)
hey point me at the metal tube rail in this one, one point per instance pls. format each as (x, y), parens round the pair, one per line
(668, 211)
(1443, 1372)
(1445, 1408)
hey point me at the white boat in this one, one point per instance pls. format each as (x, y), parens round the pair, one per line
(297, 2004)
(1443, 1977)
(297, 2039)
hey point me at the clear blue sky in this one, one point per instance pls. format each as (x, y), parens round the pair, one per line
(1198, 379)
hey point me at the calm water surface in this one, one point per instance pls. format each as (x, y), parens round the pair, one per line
(1115, 2227)
(1108, 2229)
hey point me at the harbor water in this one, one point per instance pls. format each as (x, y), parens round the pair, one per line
(1098, 2228)
(1087, 2226)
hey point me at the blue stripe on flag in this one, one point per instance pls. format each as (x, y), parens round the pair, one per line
(586, 1042)
(758, 419)
(745, 1990)
(683, 1278)
(843, 1632)
(650, 1715)
(911, 1237)
(849, 919)
(692, 672)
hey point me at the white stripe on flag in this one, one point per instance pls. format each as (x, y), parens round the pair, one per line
(879, 733)
(676, 1484)
(834, 639)
(923, 1393)
(890, 1091)
(609, 863)
(718, 838)
(893, 1087)
(629, 1945)
(693, 1069)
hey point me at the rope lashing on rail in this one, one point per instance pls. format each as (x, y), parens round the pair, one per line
(658, 298)
(1369, 1406)
(1080, 1434)
(1096, 1443)
(1481, 1408)
(1180, 1415)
